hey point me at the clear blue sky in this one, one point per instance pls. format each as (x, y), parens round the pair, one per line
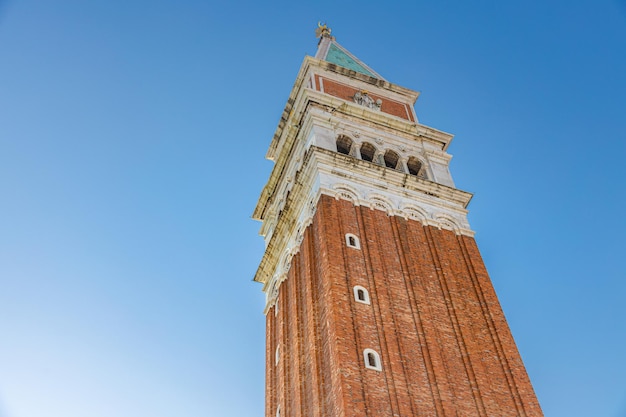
(132, 143)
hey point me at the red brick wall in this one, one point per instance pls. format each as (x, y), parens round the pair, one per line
(346, 92)
(434, 318)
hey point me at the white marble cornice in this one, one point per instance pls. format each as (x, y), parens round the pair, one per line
(328, 173)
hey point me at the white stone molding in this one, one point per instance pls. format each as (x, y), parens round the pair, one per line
(414, 213)
(345, 192)
(380, 202)
(353, 241)
(299, 237)
(444, 221)
(372, 360)
(271, 294)
(357, 289)
(287, 260)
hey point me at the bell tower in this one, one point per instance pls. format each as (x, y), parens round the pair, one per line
(378, 301)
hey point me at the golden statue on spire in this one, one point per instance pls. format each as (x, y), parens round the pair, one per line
(322, 30)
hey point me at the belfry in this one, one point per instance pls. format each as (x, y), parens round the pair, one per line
(378, 301)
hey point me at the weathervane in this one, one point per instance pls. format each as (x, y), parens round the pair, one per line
(322, 30)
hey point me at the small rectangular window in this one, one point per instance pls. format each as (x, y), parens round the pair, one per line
(372, 360)
(352, 241)
(361, 295)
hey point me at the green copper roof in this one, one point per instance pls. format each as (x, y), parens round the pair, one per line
(339, 57)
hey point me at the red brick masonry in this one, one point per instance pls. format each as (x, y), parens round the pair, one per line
(434, 318)
(347, 92)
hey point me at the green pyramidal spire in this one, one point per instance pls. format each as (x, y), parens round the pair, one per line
(329, 50)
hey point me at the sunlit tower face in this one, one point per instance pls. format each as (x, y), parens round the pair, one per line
(378, 302)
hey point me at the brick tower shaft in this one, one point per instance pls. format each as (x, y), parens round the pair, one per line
(378, 301)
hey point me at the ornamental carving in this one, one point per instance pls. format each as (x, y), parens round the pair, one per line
(362, 97)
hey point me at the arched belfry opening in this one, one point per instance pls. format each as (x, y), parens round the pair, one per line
(368, 152)
(415, 166)
(344, 145)
(392, 159)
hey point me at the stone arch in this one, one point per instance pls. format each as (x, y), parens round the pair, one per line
(379, 202)
(447, 222)
(346, 192)
(415, 213)
(287, 260)
(272, 292)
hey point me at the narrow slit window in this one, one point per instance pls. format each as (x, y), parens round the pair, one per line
(361, 295)
(277, 354)
(372, 359)
(352, 241)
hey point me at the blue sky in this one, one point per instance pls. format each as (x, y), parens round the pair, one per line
(132, 143)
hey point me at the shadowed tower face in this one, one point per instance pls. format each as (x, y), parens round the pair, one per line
(378, 301)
